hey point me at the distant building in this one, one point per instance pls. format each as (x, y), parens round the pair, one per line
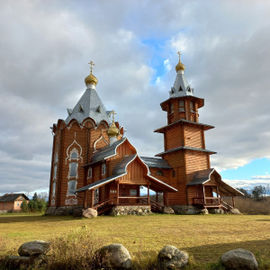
(94, 165)
(12, 202)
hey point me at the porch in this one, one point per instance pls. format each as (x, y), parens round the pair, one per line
(207, 190)
(103, 199)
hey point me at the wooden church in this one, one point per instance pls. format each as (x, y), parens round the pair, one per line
(95, 166)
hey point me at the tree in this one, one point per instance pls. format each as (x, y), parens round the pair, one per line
(258, 192)
(35, 197)
(245, 192)
(24, 206)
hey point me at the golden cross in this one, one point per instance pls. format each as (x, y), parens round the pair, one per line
(179, 53)
(113, 113)
(91, 63)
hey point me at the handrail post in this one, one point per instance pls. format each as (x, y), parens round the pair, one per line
(117, 193)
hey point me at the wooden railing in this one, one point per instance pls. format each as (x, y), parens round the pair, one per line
(104, 206)
(131, 200)
(207, 201)
(226, 205)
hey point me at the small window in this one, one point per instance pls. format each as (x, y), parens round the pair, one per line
(74, 155)
(133, 192)
(171, 108)
(180, 89)
(73, 166)
(55, 171)
(56, 158)
(90, 172)
(53, 189)
(192, 107)
(103, 169)
(160, 173)
(72, 187)
(173, 173)
(181, 105)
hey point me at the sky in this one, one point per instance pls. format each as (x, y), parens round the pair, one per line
(45, 48)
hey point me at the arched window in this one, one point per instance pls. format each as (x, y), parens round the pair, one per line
(73, 169)
(55, 171)
(172, 109)
(74, 155)
(72, 185)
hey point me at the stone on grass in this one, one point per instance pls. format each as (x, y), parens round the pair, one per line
(167, 210)
(89, 213)
(235, 211)
(216, 211)
(18, 262)
(34, 248)
(204, 212)
(171, 258)
(114, 256)
(239, 259)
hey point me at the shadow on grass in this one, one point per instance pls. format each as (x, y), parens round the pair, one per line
(208, 256)
(35, 218)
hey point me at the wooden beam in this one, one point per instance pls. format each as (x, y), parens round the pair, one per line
(204, 201)
(92, 198)
(85, 200)
(156, 196)
(233, 202)
(117, 193)
(148, 197)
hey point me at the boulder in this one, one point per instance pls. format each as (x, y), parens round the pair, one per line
(114, 256)
(204, 212)
(239, 259)
(167, 210)
(34, 248)
(216, 211)
(89, 213)
(171, 258)
(235, 211)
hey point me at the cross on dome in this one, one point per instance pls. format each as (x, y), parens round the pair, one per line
(91, 63)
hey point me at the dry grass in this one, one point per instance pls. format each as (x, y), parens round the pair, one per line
(252, 207)
(206, 238)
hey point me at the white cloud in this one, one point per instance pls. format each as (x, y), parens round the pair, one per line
(167, 65)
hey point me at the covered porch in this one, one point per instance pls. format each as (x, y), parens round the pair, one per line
(105, 194)
(207, 190)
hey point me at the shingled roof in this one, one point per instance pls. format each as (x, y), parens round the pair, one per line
(105, 152)
(152, 162)
(89, 105)
(12, 197)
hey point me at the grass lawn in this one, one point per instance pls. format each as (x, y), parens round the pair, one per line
(204, 237)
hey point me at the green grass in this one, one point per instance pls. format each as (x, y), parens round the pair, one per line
(206, 238)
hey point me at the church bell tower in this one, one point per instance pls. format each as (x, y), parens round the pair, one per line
(184, 142)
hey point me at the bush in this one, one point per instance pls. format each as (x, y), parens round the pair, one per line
(37, 204)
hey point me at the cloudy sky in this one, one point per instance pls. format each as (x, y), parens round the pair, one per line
(45, 47)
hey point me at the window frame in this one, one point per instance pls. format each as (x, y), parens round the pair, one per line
(103, 169)
(69, 185)
(181, 106)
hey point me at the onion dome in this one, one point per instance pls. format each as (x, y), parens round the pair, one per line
(91, 79)
(113, 131)
(180, 65)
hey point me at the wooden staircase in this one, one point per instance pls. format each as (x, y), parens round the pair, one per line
(104, 207)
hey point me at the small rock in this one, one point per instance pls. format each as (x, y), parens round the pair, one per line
(235, 211)
(239, 259)
(89, 213)
(34, 248)
(216, 211)
(167, 210)
(171, 258)
(114, 256)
